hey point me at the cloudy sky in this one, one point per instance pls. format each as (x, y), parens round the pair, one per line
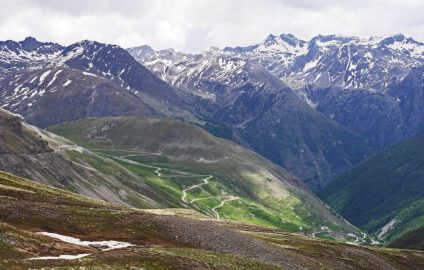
(192, 25)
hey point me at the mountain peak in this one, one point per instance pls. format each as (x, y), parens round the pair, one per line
(290, 39)
(86, 42)
(398, 38)
(30, 39)
(142, 52)
(30, 44)
(145, 47)
(270, 39)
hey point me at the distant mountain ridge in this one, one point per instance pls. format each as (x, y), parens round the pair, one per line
(371, 63)
(49, 83)
(321, 69)
(370, 85)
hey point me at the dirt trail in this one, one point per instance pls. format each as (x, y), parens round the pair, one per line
(233, 198)
(205, 182)
(157, 171)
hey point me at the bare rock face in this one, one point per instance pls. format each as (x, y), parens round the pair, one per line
(102, 132)
(383, 117)
(17, 138)
(15, 125)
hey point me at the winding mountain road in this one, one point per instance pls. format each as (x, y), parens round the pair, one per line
(205, 182)
(233, 198)
(157, 171)
(357, 240)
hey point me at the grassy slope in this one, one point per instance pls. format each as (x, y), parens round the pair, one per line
(165, 242)
(75, 169)
(172, 182)
(387, 186)
(269, 195)
(35, 154)
(413, 239)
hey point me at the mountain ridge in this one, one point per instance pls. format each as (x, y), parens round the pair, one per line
(32, 73)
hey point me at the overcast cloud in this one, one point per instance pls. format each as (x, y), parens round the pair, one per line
(192, 25)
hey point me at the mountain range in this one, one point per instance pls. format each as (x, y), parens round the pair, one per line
(48, 83)
(292, 88)
(370, 86)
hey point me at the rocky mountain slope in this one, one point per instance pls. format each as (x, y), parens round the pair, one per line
(336, 61)
(262, 112)
(49, 83)
(351, 79)
(32, 230)
(384, 194)
(384, 117)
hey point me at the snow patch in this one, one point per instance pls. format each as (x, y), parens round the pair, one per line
(43, 76)
(61, 257)
(310, 65)
(102, 245)
(67, 82)
(89, 74)
(54, 77)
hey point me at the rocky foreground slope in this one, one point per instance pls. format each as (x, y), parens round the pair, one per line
(158, 241)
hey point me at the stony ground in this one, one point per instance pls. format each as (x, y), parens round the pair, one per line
(162, 241)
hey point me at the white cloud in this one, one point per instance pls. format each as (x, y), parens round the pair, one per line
(192, 25)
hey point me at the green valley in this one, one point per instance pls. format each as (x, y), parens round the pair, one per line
(384, 193)
(188, 167)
